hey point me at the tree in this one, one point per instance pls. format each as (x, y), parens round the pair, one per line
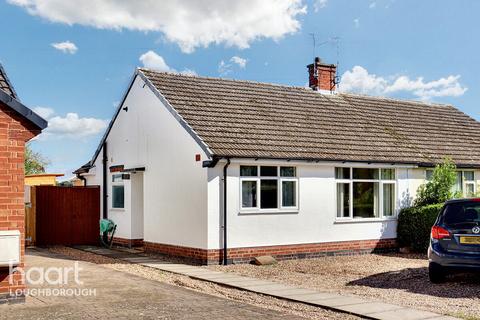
(34, 162)
(439, 188)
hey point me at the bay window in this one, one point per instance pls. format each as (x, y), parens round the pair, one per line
(365, 193)
(268, 188)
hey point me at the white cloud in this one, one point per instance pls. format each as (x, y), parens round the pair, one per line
(319, 4)
(189, 23)
(70, 126)
(151, 60)
(356, 23)
(241, 62)
(372, 5)
(225, 68)
(65, 47)
(361, 81)
(45, 113)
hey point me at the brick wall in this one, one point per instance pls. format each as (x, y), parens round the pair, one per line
(129, 243)
(14, 132)
(326, 76)
(283, 252)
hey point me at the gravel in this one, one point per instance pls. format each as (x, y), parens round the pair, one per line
(394, 278)
(288, 307)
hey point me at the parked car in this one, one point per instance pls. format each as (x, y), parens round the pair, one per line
(455, 239)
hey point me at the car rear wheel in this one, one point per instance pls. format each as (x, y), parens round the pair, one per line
(436, 273)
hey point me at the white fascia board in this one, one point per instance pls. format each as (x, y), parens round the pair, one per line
(321, 163)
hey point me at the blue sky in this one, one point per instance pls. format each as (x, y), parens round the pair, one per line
(72, 60)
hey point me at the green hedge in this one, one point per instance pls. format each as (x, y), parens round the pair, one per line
(414, 226)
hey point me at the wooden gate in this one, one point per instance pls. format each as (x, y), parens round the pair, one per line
(67, 215)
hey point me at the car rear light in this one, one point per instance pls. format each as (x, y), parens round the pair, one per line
(439, 233)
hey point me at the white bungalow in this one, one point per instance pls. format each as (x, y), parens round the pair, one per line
(199, 167)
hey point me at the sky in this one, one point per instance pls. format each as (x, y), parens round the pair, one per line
(71, 60)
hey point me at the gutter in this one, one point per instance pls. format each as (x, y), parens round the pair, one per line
(83, 179)
(24, 111)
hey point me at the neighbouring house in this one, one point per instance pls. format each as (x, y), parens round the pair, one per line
(18, 124)
(42, 179)
(76, 182)
(212, 169)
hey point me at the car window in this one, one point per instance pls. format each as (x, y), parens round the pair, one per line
(461, 213)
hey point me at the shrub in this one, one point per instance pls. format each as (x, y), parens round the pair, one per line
(414, 226)
(439, 188)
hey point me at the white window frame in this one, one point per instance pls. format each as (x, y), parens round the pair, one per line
(470, 182)
(280, 191)
(257, 179)
(381, 182)
(115, 184)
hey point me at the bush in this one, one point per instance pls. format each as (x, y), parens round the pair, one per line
(439, 188)
(414, 226)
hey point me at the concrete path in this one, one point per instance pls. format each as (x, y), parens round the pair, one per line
(349, 304)
(111, 294)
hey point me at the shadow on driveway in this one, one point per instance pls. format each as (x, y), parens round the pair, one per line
(415, 280)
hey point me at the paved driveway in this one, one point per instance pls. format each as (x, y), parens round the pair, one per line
(123, 296)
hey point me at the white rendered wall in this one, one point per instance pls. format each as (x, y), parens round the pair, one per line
(174, 184)
(409, 180)
(136, 207)
(314, 221)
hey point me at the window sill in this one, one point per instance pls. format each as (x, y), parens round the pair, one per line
(267, 212)
(364, 220)
(117, 209)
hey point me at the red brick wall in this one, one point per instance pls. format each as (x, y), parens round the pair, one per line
(326, 76)
(284, 252)
(128, 242)
(14, 132)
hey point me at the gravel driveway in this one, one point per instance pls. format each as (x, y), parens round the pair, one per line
(248, 298)
(394, 278)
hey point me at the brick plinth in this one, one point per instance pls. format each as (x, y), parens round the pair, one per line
(129, 243)
(283, 252)
(14, 132)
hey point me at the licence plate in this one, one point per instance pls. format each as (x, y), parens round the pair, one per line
(470, 240)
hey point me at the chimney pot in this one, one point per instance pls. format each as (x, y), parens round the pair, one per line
(322, 76)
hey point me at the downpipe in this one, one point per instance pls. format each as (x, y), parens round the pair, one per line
(225, 247)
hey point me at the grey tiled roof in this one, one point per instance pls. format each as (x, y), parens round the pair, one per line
(5, 84)
(249, 119)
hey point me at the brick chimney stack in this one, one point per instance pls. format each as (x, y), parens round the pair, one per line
(322, 76)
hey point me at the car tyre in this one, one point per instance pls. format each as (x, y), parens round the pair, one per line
(436, 274)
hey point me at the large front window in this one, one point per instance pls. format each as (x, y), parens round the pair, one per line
(268, 187)
(464, 186)
(365, 192)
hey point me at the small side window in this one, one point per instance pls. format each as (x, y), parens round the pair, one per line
(118, 197)
(117, 178)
